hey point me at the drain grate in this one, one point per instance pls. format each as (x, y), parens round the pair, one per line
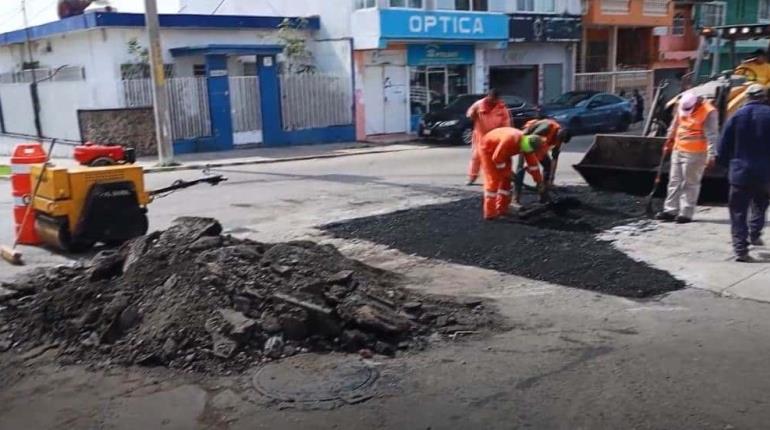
(314, 379)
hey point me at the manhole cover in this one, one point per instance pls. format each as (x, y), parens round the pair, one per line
(312, 378)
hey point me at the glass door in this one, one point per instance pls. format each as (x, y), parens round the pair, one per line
(431, 88)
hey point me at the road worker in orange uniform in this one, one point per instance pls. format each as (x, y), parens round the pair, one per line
(497, 149)
(487, 114)
(555, 136)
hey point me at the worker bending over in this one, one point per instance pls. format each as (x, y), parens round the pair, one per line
(555, 136)
(693, 137)
(496, 151)
(486, 114)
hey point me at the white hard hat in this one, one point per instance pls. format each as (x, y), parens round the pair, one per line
(687, 103)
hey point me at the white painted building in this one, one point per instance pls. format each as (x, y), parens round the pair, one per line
(412, 56)
(87, 63)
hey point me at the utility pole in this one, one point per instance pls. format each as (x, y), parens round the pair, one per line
(33, 90)
(159, 94)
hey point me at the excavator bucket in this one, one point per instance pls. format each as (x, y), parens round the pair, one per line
(628, 164)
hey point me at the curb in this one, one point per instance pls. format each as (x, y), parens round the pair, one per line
(202, 165)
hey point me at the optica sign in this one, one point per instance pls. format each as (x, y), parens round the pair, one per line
(414, 24)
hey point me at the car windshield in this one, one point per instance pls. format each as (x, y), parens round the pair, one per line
(571, 98)
(462, 103)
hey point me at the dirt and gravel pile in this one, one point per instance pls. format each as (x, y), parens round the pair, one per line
(559, 247)
(191, 298)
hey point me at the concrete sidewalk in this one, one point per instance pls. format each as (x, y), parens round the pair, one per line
(699, 253)
(248, 156)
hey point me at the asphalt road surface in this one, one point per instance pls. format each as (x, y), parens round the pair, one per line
(573, 359)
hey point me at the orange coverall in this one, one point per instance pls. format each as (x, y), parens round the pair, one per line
(496, 151)
(486, 117)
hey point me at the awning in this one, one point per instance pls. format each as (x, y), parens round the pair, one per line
(187, 51)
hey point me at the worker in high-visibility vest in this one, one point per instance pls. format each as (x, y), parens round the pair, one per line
(693, 137)
(487, 114)
(555, 136)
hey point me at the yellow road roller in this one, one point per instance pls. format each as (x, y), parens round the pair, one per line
(77, 207)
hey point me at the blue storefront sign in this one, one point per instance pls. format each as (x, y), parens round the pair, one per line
(403, 24)
(435, 55)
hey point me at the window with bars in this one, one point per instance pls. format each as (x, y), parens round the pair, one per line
(478, 5)
(615, 6)
(678, 25)
(712, 15)
(410, 4)
(763, 11)
(655, 7)
(366, 4)
(540, 6)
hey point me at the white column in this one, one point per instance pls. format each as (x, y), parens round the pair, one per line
(479, 72)
(613, 57)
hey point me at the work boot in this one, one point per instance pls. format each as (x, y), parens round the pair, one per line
(757, 242)
(744, 258)
(665, 216)
(683, 220)
(471, 181)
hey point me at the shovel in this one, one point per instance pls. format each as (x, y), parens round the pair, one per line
(648, 202)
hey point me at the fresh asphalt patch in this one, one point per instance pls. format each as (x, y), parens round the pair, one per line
(559, 247)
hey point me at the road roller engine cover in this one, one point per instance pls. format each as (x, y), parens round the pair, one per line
(77, 207)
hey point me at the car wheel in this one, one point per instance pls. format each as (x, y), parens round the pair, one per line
(467, 136)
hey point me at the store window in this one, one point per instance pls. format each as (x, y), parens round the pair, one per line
(411, 4)
(366, 4)
(473, 5)
(434, 87)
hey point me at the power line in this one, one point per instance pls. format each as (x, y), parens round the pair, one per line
(218, 6)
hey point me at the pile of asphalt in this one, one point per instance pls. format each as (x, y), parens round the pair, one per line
(191, 298)
(558, 246)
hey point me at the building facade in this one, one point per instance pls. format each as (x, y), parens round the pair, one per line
(732, 12)
(413, 56)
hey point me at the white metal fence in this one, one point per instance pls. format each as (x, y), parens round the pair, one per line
(315, 100)
(188, 103)
(245, 103)
(61, 74)
(615, 82)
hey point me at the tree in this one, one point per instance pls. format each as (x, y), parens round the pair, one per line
(298, 58)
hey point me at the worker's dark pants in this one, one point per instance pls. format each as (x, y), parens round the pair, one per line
(748, 208)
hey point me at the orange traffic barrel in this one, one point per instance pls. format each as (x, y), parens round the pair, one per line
(24, 229)
(23, 157)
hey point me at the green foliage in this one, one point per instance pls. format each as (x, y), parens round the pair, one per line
(139, 52)
(298, 58)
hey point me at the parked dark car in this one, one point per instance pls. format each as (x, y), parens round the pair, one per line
(590, 111)
(451, 125)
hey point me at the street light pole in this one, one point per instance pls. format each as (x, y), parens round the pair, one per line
(159, 93)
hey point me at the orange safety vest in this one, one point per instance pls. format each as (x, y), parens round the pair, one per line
(690, 133)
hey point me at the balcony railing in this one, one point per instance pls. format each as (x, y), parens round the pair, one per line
(656, 7)
(616, 6)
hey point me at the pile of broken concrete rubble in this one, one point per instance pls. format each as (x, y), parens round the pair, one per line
(192, 298)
